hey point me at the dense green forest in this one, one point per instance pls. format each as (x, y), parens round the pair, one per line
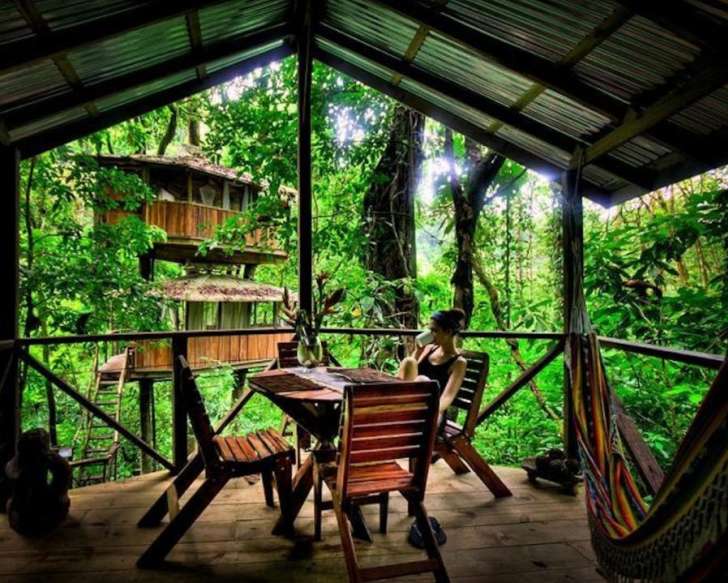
(656, 267)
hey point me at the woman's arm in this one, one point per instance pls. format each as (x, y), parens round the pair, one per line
(454, 382)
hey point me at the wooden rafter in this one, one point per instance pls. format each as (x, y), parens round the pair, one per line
(20, 116)
(24, 52)
(533, 67)
(601, 32)
(537, 69)
(72, 131)
(40, 27)
(453, 121)
(681, 19)
(474, 100)
(195, 34)
(416, 43)
(707, 80)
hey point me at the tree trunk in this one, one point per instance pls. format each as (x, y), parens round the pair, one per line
(169, 132)
(389, 220)
(193, 130)
(468, 202)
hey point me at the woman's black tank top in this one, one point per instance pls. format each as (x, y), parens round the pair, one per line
(436, 372)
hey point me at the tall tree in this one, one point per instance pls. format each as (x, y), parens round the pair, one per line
(389, 213)
(468, 201)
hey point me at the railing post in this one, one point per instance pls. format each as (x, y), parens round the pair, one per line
(9, 390)
(576, 321)
(305, 196)
(179, 413)
(146, 391)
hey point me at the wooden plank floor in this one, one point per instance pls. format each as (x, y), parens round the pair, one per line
(537, 535)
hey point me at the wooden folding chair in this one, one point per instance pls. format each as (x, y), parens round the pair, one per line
(381, 423)
(288, 358)
(454, 444)
(264, 452)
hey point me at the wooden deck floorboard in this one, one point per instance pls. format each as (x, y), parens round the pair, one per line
(537, 535)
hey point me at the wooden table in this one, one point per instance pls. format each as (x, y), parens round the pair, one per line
(312, 398)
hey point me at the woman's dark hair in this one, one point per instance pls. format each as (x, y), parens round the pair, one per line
(450, 320)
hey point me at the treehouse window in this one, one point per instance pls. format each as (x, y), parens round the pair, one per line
(264, 314)
(203, 315)
(235, 315)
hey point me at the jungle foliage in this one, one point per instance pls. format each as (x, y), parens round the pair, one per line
(656, 268)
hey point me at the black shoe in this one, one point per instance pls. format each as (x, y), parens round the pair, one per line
(415, 536)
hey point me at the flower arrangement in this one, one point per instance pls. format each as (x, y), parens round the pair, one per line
(308, 326)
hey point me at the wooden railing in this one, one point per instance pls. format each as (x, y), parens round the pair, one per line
(207, 351)
(193, 221)
(191, 343)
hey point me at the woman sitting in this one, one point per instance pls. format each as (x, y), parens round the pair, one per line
(437, 359)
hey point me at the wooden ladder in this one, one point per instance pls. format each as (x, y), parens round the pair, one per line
(101, 442)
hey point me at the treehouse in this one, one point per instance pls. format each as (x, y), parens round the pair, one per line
(614, 98)
(209, 302)
(192, 198)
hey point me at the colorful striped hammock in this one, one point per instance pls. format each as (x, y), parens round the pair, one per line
(684, 532)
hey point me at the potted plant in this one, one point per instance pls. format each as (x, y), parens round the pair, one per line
(308, 326)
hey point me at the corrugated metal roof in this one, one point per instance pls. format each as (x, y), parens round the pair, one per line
(565, 115)
(48, 122)
(34, 82)
(131, 51)
(639, 151)
(443, 57)
(13, 26)
(137, 93)
(242, 56)
(232, 18)
(372, 23)
(60, 14)
(438, 99)
(638, 58)
(358, 60)
(547, 29)
(707, 115)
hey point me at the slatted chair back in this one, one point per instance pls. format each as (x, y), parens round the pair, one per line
(470, 395)
(288, 354)
(197, 413)
(383, 422)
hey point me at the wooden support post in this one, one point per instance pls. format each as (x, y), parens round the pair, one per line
(9, 389)
(179, 413)
(146, 389)
(146, 266)
(575, 317)
(305, 196)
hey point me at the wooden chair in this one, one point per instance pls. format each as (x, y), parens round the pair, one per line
(454, 444)
(288, 358)
(264, 452)
(381, 423)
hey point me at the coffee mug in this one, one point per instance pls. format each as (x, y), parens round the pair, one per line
(424, 338)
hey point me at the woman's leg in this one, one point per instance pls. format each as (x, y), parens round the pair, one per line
(407, 369)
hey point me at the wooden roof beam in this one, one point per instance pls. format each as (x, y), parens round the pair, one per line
(597, 36)
(534, 68)
(66, 133)
(703, 83)
(454, 122)
(681, 19)
(474, 100)
(30, 50)
(205, 54)
(37, 23)
(195, 34)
